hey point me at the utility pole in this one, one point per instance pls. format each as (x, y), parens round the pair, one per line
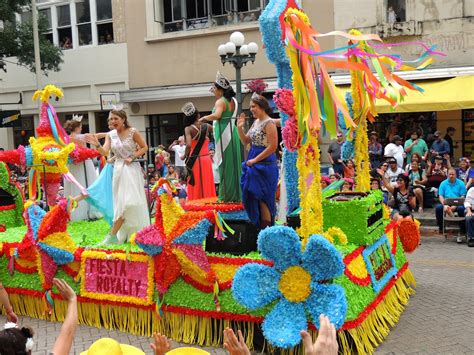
(34, 17)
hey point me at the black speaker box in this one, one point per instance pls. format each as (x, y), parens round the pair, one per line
(293, 221)
(243, 241)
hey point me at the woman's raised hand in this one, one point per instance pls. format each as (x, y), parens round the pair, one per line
(92, 139)
(241, 120)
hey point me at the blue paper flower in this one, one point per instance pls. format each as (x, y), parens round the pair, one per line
(297, 281)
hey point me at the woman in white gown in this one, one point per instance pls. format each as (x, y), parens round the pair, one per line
(84, 172)
(129, 200)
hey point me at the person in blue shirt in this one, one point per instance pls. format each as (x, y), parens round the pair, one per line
(440, 146)
(452, 187)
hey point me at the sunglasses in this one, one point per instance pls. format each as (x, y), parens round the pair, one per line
(385, 165)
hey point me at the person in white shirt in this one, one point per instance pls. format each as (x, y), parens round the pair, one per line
(395, 150)
(393, 171)
(179, 147)
(469, 206)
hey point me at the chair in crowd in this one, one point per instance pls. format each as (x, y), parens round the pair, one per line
(453, 220)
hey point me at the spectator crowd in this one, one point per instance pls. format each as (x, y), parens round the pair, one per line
(414, 174)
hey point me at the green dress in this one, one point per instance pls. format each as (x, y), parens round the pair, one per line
(227, 155)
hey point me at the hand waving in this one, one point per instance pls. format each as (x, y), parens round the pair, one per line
(326, 342)
(67, 293)
(241, 120)
(161, 345)
(233, 345)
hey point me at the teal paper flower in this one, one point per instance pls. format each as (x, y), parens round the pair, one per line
(297, 281)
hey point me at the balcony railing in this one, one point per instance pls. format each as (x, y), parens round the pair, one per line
(212, 21)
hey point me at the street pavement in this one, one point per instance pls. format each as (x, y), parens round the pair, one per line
(439, 318)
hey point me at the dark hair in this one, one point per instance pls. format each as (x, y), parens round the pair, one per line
(189, 120)
(416, 132)
(261, 102)
(122, 114)
(404, 178)
(229, 93)
(450, 129)
(378, 182)
(71, 125)
(13, 340)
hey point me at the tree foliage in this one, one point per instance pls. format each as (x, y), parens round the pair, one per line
(16, 40)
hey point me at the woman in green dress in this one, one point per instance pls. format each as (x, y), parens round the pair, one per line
(227, 154)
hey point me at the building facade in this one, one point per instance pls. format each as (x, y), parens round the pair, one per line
(92, 36)
(449, 24)
(173, 52)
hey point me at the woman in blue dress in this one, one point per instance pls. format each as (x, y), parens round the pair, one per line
(259, 179)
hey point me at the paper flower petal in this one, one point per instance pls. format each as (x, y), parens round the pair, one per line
(255, 285)
(283, 324)
(322, 260)
(329, 300)
(281, 245)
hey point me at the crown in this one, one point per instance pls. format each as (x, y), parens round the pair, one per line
(188, 109)
(77, 118)
(222, 81)
(117, 107)
(256, 96)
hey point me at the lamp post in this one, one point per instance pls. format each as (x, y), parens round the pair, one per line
(238, 54)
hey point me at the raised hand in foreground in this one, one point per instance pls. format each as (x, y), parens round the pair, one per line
(233, 345)
(326, 342)
(63, 343)
(161, 345)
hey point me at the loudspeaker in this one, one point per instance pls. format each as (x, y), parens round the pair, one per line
(243, 241)
(293, 221)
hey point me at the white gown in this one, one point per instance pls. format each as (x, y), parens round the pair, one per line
(85, 174)
(128, 187)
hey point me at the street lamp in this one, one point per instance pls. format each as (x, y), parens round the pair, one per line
(238, 54)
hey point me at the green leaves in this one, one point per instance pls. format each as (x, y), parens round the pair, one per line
(16, 40)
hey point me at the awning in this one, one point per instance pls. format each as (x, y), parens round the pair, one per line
(439, 95)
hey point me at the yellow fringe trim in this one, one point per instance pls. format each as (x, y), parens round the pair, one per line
(209, 332)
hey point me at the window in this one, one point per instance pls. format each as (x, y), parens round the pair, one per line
(64, 27)
(45, 13)
(105, 29)
(25, 16)
(181, 15)
(399, 10)
(83, 20)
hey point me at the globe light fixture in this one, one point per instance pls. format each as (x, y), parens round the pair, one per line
(237, 53)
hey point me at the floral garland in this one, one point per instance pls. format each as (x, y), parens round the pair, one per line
(257, 85)
(297, 281)
(271, 28)
(310, 196)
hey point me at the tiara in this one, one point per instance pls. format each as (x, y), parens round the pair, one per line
(118, 107)
(77, 118)
(222, 81)
(188, 109)
(256, 96)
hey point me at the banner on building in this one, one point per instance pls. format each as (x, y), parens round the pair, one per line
(10, 119)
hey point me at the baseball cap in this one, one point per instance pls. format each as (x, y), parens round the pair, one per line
(437, 134)
(392, 160)
(397, 138)
(151, 165)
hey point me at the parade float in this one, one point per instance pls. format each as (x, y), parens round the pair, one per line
(342, 256)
